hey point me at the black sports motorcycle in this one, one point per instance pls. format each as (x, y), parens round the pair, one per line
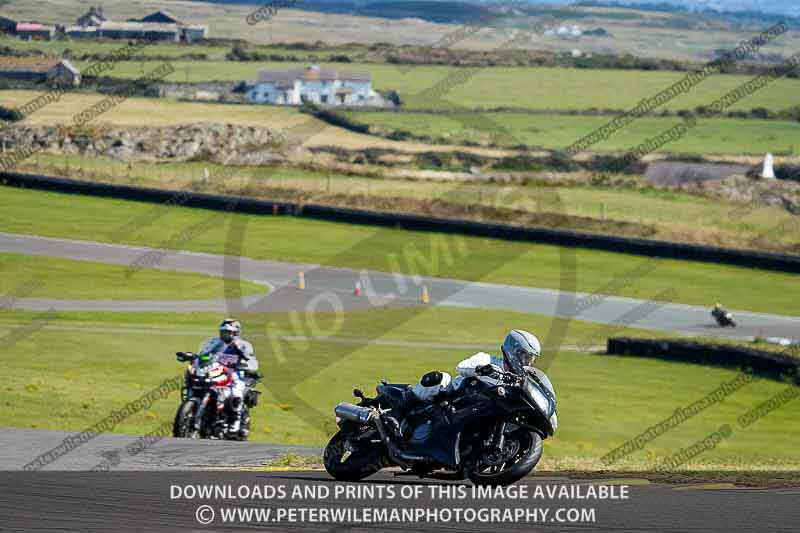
(203, 412)
(489, 431)
(723, 317)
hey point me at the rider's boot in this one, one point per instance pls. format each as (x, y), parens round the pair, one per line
(236, 424)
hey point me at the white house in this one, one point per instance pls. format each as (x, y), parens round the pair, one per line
(319, 85)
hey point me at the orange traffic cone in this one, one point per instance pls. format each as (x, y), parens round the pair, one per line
(301, 281)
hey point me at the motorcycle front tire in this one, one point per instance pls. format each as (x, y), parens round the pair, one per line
(524, 466)
(183, 427)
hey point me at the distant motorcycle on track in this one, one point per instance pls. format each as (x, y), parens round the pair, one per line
(723, 317)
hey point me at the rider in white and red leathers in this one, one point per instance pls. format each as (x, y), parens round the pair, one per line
(237, 354)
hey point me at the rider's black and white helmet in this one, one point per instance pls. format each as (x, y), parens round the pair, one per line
(229, 329)
(520, 348)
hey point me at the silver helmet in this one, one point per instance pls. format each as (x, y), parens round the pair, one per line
(229, 329)
(520, 349)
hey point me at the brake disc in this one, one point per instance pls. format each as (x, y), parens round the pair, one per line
(510, 449)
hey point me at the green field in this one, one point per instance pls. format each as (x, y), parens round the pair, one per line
(661, 214)
(486, 88)
(384, 249)
(155, 51)
(709, 136)
(27, 276)
(688, 36)
(725, 136)
(603, 400)
(81, 47)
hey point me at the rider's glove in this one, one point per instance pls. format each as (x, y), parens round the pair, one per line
(484, 370)
(509, 378)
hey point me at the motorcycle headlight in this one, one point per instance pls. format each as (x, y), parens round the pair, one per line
(554, 421)
(538, 398)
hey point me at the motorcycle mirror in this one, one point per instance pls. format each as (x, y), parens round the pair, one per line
(358, 393)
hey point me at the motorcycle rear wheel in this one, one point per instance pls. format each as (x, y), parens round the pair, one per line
(183, 427)
(524, 461)
(359, 464)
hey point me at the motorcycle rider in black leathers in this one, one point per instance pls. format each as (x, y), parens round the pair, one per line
(520, 344)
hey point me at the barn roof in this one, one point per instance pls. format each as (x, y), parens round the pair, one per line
(32, 26)
(310, 73)
(162, 15)
(138, 26)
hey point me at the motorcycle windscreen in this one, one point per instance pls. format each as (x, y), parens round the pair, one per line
(541, 397)
(542, 377)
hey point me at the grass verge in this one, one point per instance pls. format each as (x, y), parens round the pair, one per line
(390, 250)
(51, 277)
(603, 400)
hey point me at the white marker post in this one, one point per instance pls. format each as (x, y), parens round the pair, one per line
(768, 171)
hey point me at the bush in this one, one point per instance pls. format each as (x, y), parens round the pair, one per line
(333, 118)
(10, 115)
(560, 161)
(519, 163)
(399, 135)
(787, 172)
(615, 165)
(340, 58)
(240, 88)
(760, 112)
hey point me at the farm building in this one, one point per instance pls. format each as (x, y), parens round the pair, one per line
(39, 70)
(161, 17)
(81, 32)
(139, 30)
(189, 33)
(35, 31)
(93, 17)
(319, 85)
(157, 26)
(7, 25)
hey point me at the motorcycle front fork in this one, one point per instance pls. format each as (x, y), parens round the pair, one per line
(499, 439)
(201, 411)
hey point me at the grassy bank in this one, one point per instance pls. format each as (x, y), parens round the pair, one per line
(721, 135)
(55, 389)
(388, 249)
(630, 208)
(26, 276)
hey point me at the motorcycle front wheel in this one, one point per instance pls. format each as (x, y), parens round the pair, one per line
(346, 462)
(183, 427)
(525, 450)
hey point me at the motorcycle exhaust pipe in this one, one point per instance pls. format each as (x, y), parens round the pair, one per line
(363, 415)
(354, 413)
(400, 458)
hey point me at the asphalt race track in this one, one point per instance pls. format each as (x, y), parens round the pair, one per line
(20, 446)
(381, 290)
(157, 502)
(135, 494)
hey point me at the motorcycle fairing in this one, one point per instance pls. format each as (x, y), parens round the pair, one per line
(442, 445)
